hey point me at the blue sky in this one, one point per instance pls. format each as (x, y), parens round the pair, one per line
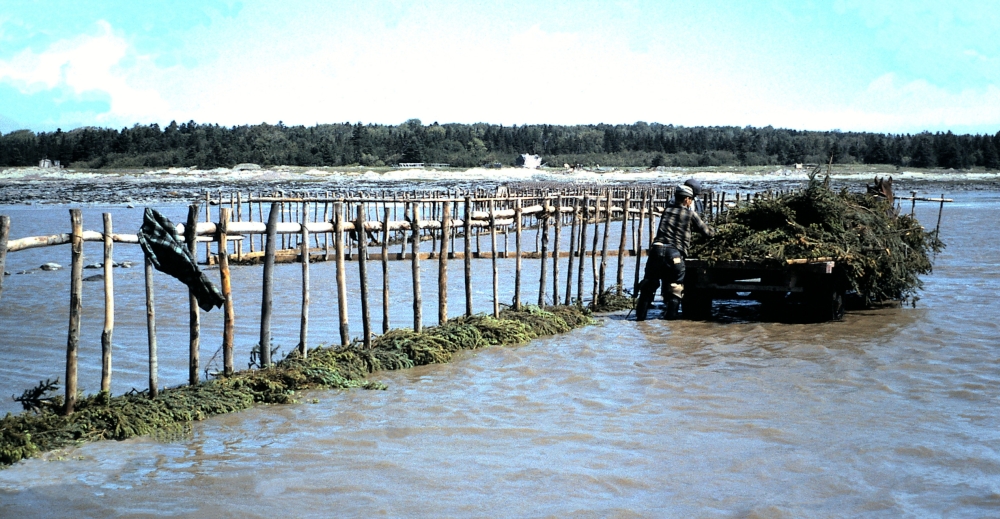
(885, 66)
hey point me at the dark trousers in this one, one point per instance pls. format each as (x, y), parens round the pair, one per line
(664, 266)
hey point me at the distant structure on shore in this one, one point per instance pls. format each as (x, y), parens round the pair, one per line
(529, 161)
(46, 163)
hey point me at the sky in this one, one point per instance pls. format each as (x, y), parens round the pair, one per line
(887, 66)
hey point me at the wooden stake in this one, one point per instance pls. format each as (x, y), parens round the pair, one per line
(366, 322)
(229, 319)
(572, 253)
(583, 249)
(109, 304)
(443, 263)
(151, 330)
(385, 271)
(4, 237)
(304, 321)
(467, 223)
(621, 244)
(75, 308)
(637, 244)
(194, 315)
(604, 246)
(338, 238)
(418, 302)
(557, 227)
(543, 222)
(267, 285)
(493, 249)
(517, 253)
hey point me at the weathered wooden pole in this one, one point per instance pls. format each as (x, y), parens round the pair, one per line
(267, 285)
(572, 253)
(557, 227)
(493, 255)
(229, 318)
(338, 238)
(194, 313)
(543, 222)
(109, 304)
(583, 248)
(151, 329)
(4, 237)
(304, 320)
(239, 218)
(620, 280)
(366, 321)
(443, 263)
(208, 218)
(75, 308)
(418, 301)
(467, 224)
(637, 245)
(385, 271)
(604, 245)
(517, 252)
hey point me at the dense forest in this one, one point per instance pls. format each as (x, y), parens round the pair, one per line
(470, 145)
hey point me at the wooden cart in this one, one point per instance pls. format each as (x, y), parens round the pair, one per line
(799, 289)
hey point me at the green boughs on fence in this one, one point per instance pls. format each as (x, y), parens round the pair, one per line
(102, 417)
(879, 254)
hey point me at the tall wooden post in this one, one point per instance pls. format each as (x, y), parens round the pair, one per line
(418, 302)
(543, 221)
(620, 280)
(109, 304)
(604, 246)
(194, 313)
(583, 249)
(229, 318)
(304, 321)
(557, 227)
(151, 330)
(4, 237)
(517, 253)
(572, 252)
(359, 227)
(75, 308)
(385, 271)
(467, 224)
(637, 245)
(338, 239)
(267, 285)
(443, 263)
(493, 256)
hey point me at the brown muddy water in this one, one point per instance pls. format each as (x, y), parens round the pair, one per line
(889, 413)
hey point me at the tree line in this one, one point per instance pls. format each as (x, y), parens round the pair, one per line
(469, 145)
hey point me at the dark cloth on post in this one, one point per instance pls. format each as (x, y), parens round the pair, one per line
(168, 254)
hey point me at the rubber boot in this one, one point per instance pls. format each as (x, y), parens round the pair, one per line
(646, 295)
(673, 308)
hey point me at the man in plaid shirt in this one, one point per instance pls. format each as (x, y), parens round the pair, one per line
(666, 257)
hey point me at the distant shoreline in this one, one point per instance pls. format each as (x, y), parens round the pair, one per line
(28, 185)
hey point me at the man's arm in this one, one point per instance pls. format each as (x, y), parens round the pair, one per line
(702, 227)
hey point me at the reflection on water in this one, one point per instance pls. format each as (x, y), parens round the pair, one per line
(889, 413)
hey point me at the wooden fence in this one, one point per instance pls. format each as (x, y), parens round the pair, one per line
(378, 228)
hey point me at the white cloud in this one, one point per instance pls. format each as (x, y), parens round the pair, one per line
(87, 64)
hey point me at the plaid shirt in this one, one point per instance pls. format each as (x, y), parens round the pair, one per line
(675, 227)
